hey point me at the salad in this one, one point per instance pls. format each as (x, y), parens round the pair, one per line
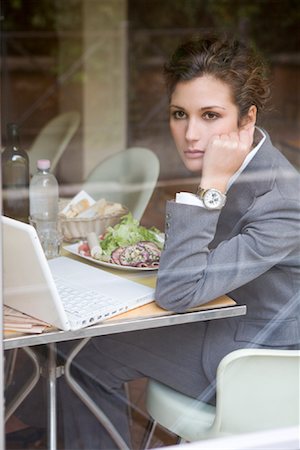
(127, 244)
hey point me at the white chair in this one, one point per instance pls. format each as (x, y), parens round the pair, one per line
(53, 139)
(127, 177)
(256, 389)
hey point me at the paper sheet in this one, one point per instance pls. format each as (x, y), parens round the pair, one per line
(16, 321)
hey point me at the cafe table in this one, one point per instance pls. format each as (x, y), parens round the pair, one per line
(144, 317)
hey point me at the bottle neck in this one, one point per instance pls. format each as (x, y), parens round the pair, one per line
(43, 171)
(13, 139)
(15, 143)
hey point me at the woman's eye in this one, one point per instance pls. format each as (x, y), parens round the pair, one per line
(209, 115)
(179, 114)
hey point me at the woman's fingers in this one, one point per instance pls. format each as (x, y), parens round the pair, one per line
(246, 139)
(225, 154)
(236, 140)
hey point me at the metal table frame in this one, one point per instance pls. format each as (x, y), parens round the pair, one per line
(52, 371)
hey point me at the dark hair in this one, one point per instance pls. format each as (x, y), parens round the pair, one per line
(228, 60)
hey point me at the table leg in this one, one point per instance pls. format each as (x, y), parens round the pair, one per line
(52, 372)
(98, 413)
(10, 363)
(51, 391)
(27, 388)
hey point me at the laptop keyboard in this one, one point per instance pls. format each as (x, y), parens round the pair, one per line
(86, 305)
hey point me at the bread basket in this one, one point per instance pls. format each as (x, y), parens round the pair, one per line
(77, 228)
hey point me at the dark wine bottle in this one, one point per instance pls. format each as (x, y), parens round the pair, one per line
(15, 177)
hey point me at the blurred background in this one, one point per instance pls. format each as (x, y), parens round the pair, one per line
(104, 58)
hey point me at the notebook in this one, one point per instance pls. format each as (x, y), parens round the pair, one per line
(31, 283)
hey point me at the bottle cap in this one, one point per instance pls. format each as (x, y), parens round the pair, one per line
(43, 164)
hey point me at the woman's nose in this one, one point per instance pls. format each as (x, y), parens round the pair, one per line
(192, 132)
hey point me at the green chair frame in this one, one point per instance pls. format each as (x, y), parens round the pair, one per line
(127, 177)
(256, 389)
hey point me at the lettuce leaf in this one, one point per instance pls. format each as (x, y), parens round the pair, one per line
(128, 232)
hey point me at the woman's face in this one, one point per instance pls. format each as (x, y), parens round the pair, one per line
(200, 109)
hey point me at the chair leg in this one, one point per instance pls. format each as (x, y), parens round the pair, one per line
(148, 434)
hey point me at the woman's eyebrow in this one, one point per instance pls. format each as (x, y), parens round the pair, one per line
(176, 106)
(212, 107)
(201, 108)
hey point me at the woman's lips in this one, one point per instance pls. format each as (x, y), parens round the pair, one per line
(193, 153)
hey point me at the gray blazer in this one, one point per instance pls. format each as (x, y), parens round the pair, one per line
(249, 251)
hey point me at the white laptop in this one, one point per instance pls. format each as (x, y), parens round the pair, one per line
(32, 284)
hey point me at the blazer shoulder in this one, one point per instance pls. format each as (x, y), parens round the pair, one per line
(270, 166)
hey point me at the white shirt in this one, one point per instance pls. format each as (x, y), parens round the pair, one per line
(191, 199)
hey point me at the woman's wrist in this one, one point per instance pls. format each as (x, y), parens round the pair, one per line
(219, 183)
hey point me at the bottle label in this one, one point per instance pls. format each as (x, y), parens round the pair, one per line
(44, 203)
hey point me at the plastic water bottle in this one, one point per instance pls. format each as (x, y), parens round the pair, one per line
(43, 196)
(43, 193)
(15, 177)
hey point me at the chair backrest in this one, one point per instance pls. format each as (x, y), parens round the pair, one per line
(128, 177)
(53, 139)
(257, 389)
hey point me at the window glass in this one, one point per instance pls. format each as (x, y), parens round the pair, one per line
(104, 60)
(83, 80)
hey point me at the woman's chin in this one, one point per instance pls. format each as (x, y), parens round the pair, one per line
(193, 165)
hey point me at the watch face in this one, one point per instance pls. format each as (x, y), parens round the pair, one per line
(213, 199)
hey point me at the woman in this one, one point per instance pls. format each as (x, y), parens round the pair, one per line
(245, 241)
(238, 235)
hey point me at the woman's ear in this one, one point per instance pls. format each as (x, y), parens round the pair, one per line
(249, 120)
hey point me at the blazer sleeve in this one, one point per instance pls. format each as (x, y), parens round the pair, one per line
(190, 274)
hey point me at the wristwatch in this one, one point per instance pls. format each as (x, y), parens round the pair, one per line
(212, 198)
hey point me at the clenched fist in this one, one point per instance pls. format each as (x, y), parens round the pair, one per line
(224, 155)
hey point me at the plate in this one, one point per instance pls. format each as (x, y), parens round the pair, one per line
(73, 248)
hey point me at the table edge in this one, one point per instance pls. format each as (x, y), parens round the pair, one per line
(125, 325)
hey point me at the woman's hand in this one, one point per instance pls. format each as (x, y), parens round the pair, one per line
(224, 155)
